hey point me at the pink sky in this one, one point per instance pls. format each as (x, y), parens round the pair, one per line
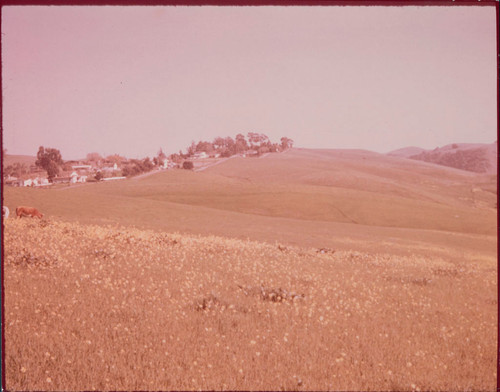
(130, 80)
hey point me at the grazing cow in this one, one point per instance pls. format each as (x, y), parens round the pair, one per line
(28, 211)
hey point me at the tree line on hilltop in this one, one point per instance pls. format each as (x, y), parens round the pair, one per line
(226, 147)
(255, 144)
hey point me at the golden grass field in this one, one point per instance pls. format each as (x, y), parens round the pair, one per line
(216, 279)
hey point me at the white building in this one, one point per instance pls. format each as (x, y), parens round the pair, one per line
(74, 178)
(113, 178)
(81, 167)
(200, 155)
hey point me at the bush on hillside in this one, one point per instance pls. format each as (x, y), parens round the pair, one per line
(188, 165)
(136, 166)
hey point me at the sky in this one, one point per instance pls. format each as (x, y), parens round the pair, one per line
(131, 80)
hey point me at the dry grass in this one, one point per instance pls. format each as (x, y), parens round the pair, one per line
(113, 308)
(9, 159)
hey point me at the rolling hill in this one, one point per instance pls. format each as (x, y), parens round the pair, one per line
(305, 197)
(406, 152)
(257, 274)
(9, 159)
(475, 157)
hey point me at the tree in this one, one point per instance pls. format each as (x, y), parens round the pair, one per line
(146, 165)
(115, 158)
(241, 144)
(177, 158)
(230, 145)
(16, 169)
(219, 143)
(161, 154)
(191, 149)
(160, 158)
(49, 159)
(286, 143)
(253, 137)
(205, 147)
(94, 157)
(258, 140)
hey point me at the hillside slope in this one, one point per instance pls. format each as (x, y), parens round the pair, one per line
(9, 159)
(478, 158)
(318, 198)
(406, 152)
(357, 171)
(101, 308)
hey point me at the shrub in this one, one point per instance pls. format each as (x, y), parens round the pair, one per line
(188, 165)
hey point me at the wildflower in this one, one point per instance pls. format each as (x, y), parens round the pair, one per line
(23, 370)
(48, 379)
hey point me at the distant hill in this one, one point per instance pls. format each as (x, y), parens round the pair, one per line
(473, 157)
(478, 158)
(9, 159)
(406, 152)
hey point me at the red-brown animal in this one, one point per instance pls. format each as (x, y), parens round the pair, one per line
(28, 211)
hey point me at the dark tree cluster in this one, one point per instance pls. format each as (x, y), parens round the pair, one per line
(136, 166)
(258, 143)
(16, 169)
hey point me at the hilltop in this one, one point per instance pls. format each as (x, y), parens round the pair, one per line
(406, 152)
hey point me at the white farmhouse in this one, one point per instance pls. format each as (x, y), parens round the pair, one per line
(74, 178)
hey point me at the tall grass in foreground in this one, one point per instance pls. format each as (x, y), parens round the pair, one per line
(89, 307)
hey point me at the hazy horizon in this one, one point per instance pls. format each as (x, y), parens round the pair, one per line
(132, 80)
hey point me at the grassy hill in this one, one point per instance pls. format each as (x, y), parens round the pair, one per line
(91, 307)
(314, 270)
(406, 152)
(304, 197)
(9, 159)
(475, 157)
